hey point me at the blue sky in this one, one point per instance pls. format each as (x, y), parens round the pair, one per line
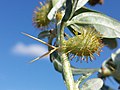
(16, 50)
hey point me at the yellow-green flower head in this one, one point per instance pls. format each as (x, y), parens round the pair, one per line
(40, 15)
(85, 44)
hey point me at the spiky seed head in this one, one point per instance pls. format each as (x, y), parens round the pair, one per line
(40, 18)
(84, 45)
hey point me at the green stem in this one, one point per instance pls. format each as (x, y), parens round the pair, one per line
(81, 79)
(67, 72)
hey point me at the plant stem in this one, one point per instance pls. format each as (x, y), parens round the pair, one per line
(81, 79)
(67, 72)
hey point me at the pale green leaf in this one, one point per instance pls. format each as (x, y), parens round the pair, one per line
(81, 3)
(107, 26)
(92, 84)
(55, 9)
(44, 34)
(84, 9)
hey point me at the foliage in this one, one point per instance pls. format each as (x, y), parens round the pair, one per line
(87, 31)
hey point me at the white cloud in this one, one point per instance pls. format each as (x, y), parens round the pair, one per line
(32, 49)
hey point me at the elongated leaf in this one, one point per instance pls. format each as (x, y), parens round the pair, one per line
(107, 26)
(69, 10)
(75, 27)
(44, 34)
(92, 84)
(81, 3)
(84, 9)
(55, 8)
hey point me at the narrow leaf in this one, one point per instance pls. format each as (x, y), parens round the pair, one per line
(84, 9)
(68, 10)
(55, 8)
(81, 3)
(44, 34)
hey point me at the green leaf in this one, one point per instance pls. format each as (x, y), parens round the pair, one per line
(83, 9)
(92, 84)
(44, 34)
(68, 10)
(75, 28)
(55, 9)
(55, 58)
(81, 3)
(107, 26)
